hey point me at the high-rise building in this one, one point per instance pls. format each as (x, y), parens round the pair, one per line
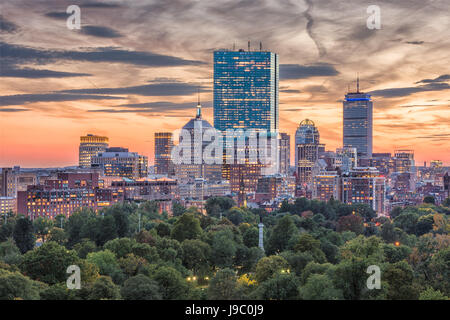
(358, 126)
(8, 187)
(194, 166)
(246, 90)
(404, 166)
(326, 186)
(163, 149)
(285, 153)
(346, 158)
(364, 185)
(246, 97)
(120, 162)
(90, 146)
(307, 150)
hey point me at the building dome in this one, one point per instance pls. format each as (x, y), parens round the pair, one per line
(307, 122)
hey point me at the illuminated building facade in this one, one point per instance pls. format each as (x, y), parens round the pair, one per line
(8, 187)
(285, 153)
(155, 189)
(90, 146)
(66, 194)
(363, 185)
(119, 162)
(346, 158)
(163, 148)
(358, 123)
(307, 148)
(326, 186)
(7, 205)
(246, 90)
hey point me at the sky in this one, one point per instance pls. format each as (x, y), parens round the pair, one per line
(134, 67)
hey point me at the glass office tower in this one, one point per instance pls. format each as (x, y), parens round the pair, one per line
(358, 124)
(246, 90)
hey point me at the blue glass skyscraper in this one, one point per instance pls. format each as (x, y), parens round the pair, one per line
(358, 123)
(246, 90)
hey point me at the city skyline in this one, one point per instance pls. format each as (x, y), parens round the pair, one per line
(114, 78)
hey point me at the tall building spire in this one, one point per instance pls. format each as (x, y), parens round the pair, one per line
(199, 106)
(357, 82)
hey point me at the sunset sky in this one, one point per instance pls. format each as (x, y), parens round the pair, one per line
(134, 67)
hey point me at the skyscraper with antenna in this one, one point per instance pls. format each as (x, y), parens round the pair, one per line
(358, 122)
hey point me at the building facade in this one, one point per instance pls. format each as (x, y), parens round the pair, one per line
(358, 122)
(119, 162)
(163, 149)
(90, 146)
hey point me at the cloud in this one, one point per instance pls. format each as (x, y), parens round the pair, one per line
(12, 71)
(154, 89)
(406, 91)
(22, 54)
(7, 26)
(60, 15)
(415, 42)
(297, 71)
(442, 78)
(99, 31)
(20, 99)
(309, 29)
(96, 4)
(12, 110)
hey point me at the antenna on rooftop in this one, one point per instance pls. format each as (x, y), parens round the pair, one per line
(357, 82)
(249, 45)
(260, 46)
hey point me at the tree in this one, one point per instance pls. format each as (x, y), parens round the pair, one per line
(307, 243)
(224, 286)
(281, 234)
(267, 267)
(42, 226)
(23, 234)
(399, 277)
(364, 211)
(9, 253)
(218, 205)
(186, 227)
(250, 237)
(352, 223)
(388, 232)
(281, 287)
(319, 287)
(431, 294)
(104, 288)
(84, 247)
(424, 224)
(177, 209)
(223, 248)
(196, 255)
(14, 285)
(407, 221)
(429, 199)
(105, 260)
(107, 230)
(163, 229)
(140, 287)
(48, 263)
(75, 224)
(57, 235)
(172, 286)
(120, 246)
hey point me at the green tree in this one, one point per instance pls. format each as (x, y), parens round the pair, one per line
(57, 235)
(267, 267)
(14, 285)
(224, 286)
(9, 252)
(172, 286)
(218, 205)
(431, 294)
(105, 260)
(223, 248)
(429, 199)
(103, 289)
(399, 277)
(407, 221)
(120, 246)
(351, 223)
(48, 263)
(281, 234)
(280, 287)
(307, 243)
(319, 287)
(196, 255)
(186, 227)
(42, 227)
(23, 234)
(140, 287)
(177, 209)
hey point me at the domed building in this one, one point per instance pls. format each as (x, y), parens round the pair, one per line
(196, 168)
